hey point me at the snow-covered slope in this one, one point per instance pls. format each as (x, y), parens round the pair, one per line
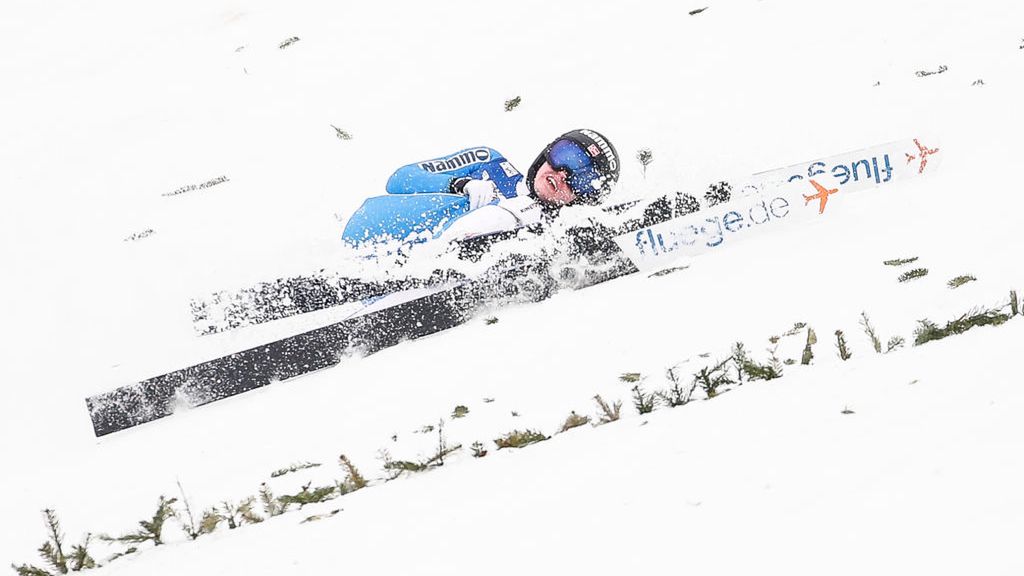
(109, 109)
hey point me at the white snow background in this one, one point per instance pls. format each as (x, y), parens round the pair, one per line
(106, 107)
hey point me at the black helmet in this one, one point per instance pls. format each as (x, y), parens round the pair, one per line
(588, 157)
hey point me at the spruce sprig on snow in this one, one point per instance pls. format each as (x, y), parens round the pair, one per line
(677, 395)
(608, 413)
(53, 554)
(643, 401)
(149, 530)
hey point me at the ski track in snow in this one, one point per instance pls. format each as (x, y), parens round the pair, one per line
(106, 109)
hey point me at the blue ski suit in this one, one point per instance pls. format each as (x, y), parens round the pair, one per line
(440, 174)
(423, 200)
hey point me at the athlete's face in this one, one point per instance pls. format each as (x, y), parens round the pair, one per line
(552, 186)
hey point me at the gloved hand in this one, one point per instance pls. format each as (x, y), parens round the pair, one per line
(479, 192)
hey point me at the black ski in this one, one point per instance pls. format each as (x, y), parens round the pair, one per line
(289, 357)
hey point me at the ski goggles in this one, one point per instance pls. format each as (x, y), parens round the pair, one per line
(584, 179)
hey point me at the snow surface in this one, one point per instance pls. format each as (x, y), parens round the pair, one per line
(109, 107)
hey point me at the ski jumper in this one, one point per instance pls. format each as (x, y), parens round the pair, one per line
(424, 201)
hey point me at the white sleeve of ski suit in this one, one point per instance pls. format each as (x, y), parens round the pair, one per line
(507, 214)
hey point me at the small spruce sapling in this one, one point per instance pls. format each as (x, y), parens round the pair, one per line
(307, 496)
(677, 395)
(747, 368)
(149, 530)
(608, 413)
(234, 515)
(960, 281)
(52, 552)
(928, 331)
(844, 350)
(922, 73)
(912, 274)
(246, 513)
(238, 514)
(742, 360)
(396, 467)
(895, 343)
(574, 420)
(513, 103)
(443, 449)
(900, 261)
(710, 379)
(774, 366)
(80, 557)
(210, 520)
(865, 323)
(643, 401)
(519, 439)
(353, 479)
(386, 462)
(271, 505)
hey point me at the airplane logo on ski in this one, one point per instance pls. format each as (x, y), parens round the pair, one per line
(924, 152)
(821, 196)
